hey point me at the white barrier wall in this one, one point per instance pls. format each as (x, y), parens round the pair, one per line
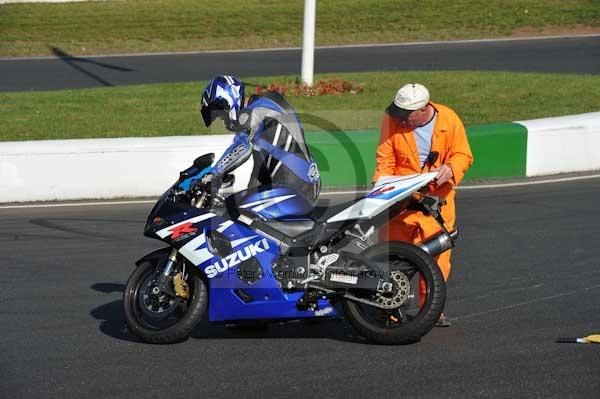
(563, 144)
(144, 167)
(102, 168)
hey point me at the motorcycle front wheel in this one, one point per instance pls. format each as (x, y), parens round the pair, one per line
(159, 317)
(418, 297)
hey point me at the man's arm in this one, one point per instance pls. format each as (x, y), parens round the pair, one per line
(459, 157)
(237, 153)
(385, 157)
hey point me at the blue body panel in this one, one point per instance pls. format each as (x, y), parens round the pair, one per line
(270, 301)
(187, 183)
(290, 205)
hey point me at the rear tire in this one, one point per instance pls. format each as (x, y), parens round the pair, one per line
(411, 260)
(180, 318)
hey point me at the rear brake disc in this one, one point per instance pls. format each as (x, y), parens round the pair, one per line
(400, 293)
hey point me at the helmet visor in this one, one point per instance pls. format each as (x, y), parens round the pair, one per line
(214, 110)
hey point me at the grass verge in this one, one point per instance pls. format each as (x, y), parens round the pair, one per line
(172, 109)
(178, 25)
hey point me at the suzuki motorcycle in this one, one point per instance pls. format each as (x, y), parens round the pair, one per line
(231, 260)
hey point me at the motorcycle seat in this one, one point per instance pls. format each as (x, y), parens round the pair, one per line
(321, 213)
(291, 227)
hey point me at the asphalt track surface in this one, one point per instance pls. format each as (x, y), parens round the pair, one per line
(560, 55)
(526, 271)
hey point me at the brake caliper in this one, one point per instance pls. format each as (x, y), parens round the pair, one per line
(181, 287)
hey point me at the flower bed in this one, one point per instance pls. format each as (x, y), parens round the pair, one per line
(323, 87)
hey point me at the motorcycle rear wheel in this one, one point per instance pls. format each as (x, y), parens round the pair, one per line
(162, 319)
(400, 326)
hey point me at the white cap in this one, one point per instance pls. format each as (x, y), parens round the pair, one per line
(412, 96)
(409, 98)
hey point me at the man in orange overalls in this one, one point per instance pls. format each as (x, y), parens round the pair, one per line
(413, 129)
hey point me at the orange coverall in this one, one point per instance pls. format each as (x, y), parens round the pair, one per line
(397, 154)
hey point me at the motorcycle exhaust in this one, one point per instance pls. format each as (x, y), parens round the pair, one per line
(439, 243)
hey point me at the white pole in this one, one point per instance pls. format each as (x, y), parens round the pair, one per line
(308, 41)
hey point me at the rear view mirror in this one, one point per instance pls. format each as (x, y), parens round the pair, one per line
(191, 171)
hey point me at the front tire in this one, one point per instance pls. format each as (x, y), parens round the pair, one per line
(162, 318)
(418, 313)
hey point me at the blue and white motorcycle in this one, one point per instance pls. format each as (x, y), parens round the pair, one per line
(228, 261)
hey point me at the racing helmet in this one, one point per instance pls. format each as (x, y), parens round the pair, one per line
(222, 97)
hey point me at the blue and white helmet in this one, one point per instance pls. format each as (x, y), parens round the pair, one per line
(223, 97)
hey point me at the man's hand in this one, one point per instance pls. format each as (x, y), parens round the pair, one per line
(444, 174)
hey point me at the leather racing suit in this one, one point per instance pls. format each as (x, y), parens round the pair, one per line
(270, 131)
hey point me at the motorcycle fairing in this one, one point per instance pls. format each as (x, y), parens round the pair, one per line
(188, 230)
(277, 203)
(175, 224)
(187, 183)
(387, 191)
(269, 301)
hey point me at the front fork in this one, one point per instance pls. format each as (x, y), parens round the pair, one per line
(163, 278)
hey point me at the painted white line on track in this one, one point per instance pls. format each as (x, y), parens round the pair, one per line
(63, 205)
(530, 183)
(134, 202)
(497, 185)
(131, 202)
(342, 46)
(516, 305)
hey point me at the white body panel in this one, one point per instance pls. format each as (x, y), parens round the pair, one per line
(387, 191)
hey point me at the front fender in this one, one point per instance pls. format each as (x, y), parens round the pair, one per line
(157, 254)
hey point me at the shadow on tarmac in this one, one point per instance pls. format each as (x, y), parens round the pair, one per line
(113, 324)
(74, 62)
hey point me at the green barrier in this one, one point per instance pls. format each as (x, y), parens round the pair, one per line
(347, 159)
(500, 150)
